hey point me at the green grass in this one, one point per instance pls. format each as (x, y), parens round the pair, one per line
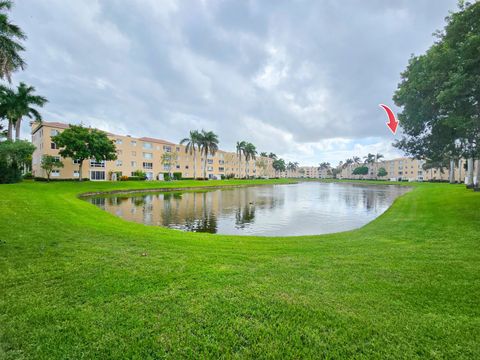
(74, 283)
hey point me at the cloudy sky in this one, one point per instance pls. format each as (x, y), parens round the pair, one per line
(300, 78)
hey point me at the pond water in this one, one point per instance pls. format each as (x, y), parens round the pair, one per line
(270, 210)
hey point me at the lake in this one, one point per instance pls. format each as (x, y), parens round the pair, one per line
(305, 208)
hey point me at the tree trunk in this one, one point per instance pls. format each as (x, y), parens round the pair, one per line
(17, 129)
(459, 171)
(476, 178)
(469, 177)
(451, 173)
(10, 130)
(80, 166)
(194, 164)
(205, 167)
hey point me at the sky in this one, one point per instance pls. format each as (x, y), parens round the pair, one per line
(302, 79)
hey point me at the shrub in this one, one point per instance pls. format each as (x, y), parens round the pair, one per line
(123, 178)
(136, 178)
(361, 170)
(41, 179)
(28, 176)
(177, 176)
(13, 156)
(166, 177)
(139, 174)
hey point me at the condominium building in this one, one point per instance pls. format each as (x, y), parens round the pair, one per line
(144, 154)
(404, 169)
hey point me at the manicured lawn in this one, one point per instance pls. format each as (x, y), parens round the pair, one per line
(74, 283)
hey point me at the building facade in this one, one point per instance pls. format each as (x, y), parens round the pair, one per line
(405, 169)
(143, 154)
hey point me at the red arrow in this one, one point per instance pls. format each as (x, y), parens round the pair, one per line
(392, 121)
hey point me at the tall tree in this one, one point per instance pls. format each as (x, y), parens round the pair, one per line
(81, 143)
(14, 105)
(279, 165)
(240, 148)
(250, 153)
(192, 144)
(10, 44)
(263, 154)
(439, 93)
(13, 157)
(208, 146)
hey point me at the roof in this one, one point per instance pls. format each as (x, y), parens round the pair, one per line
(160, 141)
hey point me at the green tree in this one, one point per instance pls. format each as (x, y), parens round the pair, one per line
(192, 144)
(361, 170)
(14, 105)
(240, 148)
(272, 156)
(439, 93)
(263, 154)
(10, 43)
(13, 157)
(169, 160)
(49, 163)
(279, 166)
(81, 143)
(250, 153)
(382, 172)
(208, 146)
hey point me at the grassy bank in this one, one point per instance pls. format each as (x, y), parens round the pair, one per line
(75, 282)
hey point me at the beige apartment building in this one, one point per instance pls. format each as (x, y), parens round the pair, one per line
(405, 169)
(308, 172)
(144, 154)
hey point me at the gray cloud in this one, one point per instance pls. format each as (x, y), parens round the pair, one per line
(299, 78)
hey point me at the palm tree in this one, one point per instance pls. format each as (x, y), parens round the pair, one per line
(10, 34)
(272, 156)
(208, 145)
(263, 154)
(369, 159)
(379, 156)
(240, 150)
(15, 105)
(356, 160)
(250, 153)
(349, 162)
(192, 144)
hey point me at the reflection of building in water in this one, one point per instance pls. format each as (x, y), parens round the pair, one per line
(194, 211)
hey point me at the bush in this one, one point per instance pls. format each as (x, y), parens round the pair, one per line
(123, 178)
(136, 178)
(166, 177)
(40, 179)
(28, 176)
(177, 176)
(13, 156)
(139, 174)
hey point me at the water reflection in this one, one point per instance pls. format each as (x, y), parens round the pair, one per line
(298, 209)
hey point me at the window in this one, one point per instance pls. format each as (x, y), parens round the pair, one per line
(134, 153)
(53, 132)
(76, 162)
(186, 166)
(221, 162)
(221, 169)
(97, 164)
(119, 163)
(167, 148)
(57, 158)
(97, 175)
(76, 173)
(210, 161)
(147, 155)
(177, 166)
(133, 163)
(133, 143)
(53, 146)
(147, 145)
(178, 149)
(210, 168)
(119, 141)
(166, 167)
(55, 173)
(148, 165)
